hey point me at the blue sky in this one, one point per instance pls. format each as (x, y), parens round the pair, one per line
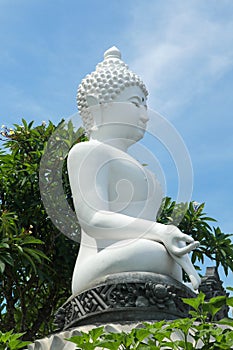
(183, 50)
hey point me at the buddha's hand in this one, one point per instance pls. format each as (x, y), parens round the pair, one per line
(177, 242)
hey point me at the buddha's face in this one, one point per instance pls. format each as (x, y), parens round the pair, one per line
(132, 94)
(125, 117)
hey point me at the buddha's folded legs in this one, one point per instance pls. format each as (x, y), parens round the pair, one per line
(126, 256)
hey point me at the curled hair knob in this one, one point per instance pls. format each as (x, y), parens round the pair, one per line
(113, 52)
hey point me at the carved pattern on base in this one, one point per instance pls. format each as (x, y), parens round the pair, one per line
(152, 298)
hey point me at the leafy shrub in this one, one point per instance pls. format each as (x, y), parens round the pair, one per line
(196, 332)
(10, 341)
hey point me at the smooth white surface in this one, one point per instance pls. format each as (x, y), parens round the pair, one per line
(116, 200)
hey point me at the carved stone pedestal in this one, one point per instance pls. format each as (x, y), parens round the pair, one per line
(126, 297)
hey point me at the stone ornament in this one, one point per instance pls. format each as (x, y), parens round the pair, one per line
(212, 286)
(128, 297)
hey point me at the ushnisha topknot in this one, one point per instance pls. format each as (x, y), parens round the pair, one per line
(111, 76)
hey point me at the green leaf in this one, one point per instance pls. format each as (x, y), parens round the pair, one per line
(19, 248)
(2, 266)
(24, 123)
(230, 301)
(32, 253)
(207, 218)
(31, 240)
(41, 254)
(25, 255)
(215, 304)
(7, 258)
(4, 245)
(140, 333)
(4, 337)
(95, 333)
(109, 344)
(226, 321)
(195, 302)
(30, 124)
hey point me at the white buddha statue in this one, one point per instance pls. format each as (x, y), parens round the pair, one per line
(117, 199)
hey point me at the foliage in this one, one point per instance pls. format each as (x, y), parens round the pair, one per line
(36, 260)
(10, 341)
(188, 333)
(54, 184)
(192, 220)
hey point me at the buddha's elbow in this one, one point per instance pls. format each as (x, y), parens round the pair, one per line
(96, 225)
(100, 220)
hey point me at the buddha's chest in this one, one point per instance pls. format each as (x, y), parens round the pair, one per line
(127, 181)
(131, 184)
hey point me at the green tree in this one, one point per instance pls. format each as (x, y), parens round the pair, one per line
(192, 220)
(36, 260)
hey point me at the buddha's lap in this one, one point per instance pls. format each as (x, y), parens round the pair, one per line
(137, 255)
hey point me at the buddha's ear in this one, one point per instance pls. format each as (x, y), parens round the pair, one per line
(92, 100)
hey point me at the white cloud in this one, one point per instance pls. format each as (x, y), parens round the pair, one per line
(181, 48)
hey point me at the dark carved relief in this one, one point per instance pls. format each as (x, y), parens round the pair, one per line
(152, 297)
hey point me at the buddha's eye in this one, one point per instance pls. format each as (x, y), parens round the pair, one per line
(143, 99)
(136, 103)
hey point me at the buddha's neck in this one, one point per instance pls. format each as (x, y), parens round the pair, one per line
(121, 144)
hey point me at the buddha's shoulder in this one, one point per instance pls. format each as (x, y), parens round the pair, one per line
(89, 147)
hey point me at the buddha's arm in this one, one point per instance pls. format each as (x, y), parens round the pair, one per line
(89, 181)
(109, 225)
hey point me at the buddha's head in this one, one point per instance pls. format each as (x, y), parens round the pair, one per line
(108, 83)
